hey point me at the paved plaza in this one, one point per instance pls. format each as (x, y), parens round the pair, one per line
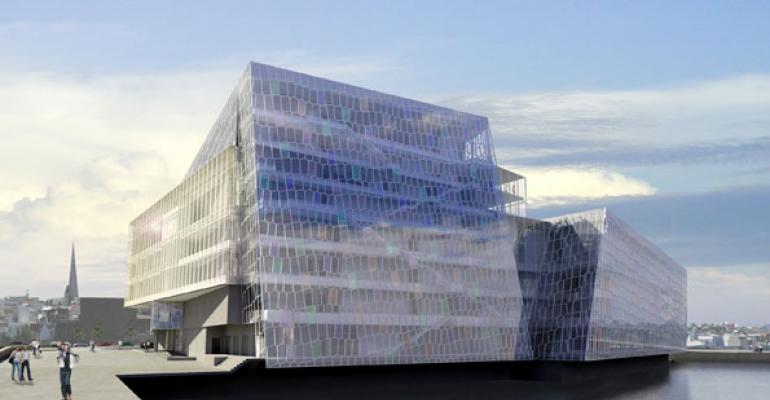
(94, 378)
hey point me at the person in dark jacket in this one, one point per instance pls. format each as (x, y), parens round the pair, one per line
(25, 365)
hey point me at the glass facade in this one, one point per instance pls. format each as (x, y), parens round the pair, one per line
(187, 241)
(594, 289)
(379, 237)
(366, 228)
(166, 316)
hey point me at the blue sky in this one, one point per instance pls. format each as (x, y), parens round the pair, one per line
(518, 46)
(660, 111)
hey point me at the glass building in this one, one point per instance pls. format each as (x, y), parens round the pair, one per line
(595, 289)
(324, 224)
(346, 226)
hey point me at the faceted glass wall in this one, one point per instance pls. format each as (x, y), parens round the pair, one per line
(562, 307)
(594, 289)
(640, 297)
(378, 237)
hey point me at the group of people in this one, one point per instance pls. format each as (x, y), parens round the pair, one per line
(20, 360)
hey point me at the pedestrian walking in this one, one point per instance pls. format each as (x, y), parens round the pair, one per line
(67, 361)
(18, 360)
(36, 349)
(12, 361)
(25, 365)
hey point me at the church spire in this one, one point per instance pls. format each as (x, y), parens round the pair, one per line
(71, 292)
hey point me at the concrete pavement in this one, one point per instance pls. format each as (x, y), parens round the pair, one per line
(94, 377)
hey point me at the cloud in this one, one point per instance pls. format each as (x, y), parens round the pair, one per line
(47, 28)
(560, 186)
(753, 171)
(51, 125)
(82, 156)
(93, 209)
(721, 236)
(744, 151)
(720, 294)
(719, 121)
(369, 71)
(355, 70)
(710, 228)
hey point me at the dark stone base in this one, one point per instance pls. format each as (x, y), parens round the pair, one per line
(493, 380)
(581, 371)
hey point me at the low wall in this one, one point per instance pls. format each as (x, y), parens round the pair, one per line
(736, 356)
(6, 351)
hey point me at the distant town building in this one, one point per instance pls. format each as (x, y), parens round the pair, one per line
(71, 317)
(104, 319)
(706, 341)
(733, 340)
